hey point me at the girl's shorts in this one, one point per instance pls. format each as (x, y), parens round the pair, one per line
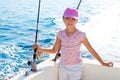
(70, 72)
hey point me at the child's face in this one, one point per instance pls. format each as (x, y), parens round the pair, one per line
(70, 22)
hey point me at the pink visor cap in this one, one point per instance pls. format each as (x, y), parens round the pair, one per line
(71, 12)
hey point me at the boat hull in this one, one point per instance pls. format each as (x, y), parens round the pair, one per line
(48, 70)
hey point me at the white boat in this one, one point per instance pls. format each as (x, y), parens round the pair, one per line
(92, 70)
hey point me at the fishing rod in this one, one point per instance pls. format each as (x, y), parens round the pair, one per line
(78, 4)
(58, 53)
(33, 63)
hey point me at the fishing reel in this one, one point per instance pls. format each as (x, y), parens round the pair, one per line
(29, 63)
(33, 65)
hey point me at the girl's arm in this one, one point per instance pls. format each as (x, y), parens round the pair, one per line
(94, 53)
(55, 48)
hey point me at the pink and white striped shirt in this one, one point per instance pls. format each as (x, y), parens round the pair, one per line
(70, 47)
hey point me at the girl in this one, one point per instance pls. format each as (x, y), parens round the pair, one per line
(69, 41)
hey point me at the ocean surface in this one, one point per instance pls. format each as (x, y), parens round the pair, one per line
(99, 19)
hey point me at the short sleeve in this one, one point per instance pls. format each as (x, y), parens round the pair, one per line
(59, 34)
(82, 36)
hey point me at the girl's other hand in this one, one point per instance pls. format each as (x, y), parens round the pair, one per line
(109, 64)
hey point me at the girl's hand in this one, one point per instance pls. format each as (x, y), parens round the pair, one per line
(38, 49)
(109, 64)
(35, 46)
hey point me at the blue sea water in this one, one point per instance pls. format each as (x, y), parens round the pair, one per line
(98, 18)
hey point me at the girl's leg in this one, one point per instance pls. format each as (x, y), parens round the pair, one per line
(75, 76)
(63, 74)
